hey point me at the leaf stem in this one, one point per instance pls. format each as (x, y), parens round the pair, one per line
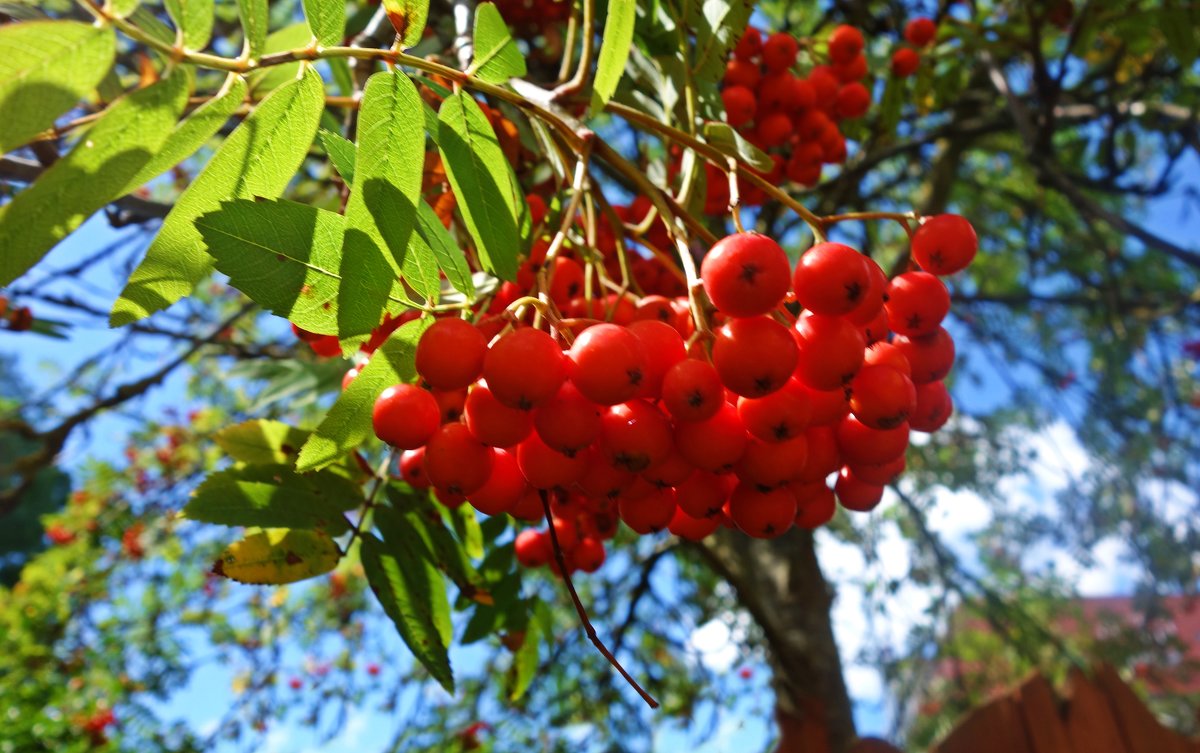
(583, 617)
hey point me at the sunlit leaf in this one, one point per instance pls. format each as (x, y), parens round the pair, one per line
(283, 255)
(46, 67)
(341, 153)
(327, 19)
(382, 208)
(96, 170)
(497, 57)
(258, 159)
(261, 441)
(278, 556)
(274, 496)
(614, 50)
(253, 14)
(194, 19)
(483, 183)
(193, 132)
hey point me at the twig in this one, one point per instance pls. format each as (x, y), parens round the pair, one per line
(369, 503)
(583, 617)
(53, 440)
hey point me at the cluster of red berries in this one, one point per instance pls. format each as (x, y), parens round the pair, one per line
(528, 17)
(629, 423)
(15, 318)
(919, 33)
(795, 118)
(96, 724)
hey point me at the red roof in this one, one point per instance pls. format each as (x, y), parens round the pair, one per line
(1174, 622)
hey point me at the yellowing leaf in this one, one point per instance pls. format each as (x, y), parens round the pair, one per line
(278, 555)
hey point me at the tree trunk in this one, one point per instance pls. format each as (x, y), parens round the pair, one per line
(780, 583)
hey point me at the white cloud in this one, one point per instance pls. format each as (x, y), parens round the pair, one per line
(864, 682)
(716, 644)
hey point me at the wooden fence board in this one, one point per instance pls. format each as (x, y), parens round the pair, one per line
(994, 728)
(1090, 724)
(1142, 732)
(1042, 716)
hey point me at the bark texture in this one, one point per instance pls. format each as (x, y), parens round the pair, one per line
(780, 583)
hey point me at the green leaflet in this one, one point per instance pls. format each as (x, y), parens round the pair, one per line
(122, 8)
(416, 520)
(614, 51)
(148, 21)
(413, 596)
(95, 171)
(261, 441)
(348, 423)
(277, 556)
(283, 255)
(274, 496)
(525, 662)
(408, 17)
(729, 141)
(483, 182)
(194, 19)
(718, 24)
(193, 132)
(497, 57)
(46, 67)
(382, 206)
(434, 239)
(408, 533)
(258, 159)
(254, 24)
(327, 19)
(341, 151)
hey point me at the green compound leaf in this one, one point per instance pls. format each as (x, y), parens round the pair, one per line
(46, 68)
(254, 25)
(257, 160)
(96, 171)
(430, 237)
(724, 137)
(341, 151)
(193, 132)
(283, 255)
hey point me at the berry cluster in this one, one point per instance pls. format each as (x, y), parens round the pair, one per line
(15, 318)
(643, 419)
(919, 33)
(530, 17)
(795, 118)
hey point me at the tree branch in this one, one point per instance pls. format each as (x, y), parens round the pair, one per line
(53, 440)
